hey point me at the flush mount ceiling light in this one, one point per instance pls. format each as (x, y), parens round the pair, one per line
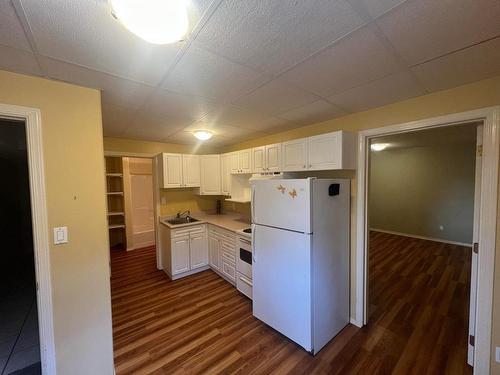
(379, 146)
(202, 135)
(155, 21)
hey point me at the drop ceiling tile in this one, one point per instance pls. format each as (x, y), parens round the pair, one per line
(465, 66)
(169, 104)
(375, 8)
(424, 29)
(359, 58)
(273, 35)
(115, 120)
(203, 73)
(383, 91)
(235, 116)
(115, 90)
(85, 33)
(275, 97)
(317, 111)
(11, 30)
(18, 60)
(149, 128)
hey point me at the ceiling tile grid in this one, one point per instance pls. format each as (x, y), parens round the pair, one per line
(422, 30)
(272, 35)
(387, 90)
(356, 59)
(11, 30)
(465, 66)
(85, 33)
(203, 73)
(254, 67)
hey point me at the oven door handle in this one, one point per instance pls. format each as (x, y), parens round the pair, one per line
(246, 281)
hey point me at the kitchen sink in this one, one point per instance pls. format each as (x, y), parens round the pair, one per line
(182, 220)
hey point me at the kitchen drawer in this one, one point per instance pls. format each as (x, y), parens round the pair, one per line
(228, 269)
(228, 254)
(244, 285)
(195, 229)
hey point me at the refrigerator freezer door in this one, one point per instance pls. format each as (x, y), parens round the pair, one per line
(282, 204)
(282, 282)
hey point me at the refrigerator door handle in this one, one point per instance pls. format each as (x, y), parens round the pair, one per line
(252, 204)
(254, 253)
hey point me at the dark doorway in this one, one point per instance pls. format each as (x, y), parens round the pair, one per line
(19, 335)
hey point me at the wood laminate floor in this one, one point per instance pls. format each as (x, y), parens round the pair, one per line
(201, 325)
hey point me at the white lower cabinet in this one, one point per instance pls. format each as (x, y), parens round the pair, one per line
(214, 251)
(222, 252)
(184, 250)
(180, 255)
(195, 248)
(198, 250)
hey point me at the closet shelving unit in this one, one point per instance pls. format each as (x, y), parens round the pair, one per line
(116, 204)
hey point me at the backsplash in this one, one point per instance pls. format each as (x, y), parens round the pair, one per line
(178, 200)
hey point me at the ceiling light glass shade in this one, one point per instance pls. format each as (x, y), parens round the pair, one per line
(379, 146)
(155, 21)
(202, 135)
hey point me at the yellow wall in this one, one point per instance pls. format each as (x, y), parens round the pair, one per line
(73, 159)
(146, 147)
(480, 94)
(178, 200)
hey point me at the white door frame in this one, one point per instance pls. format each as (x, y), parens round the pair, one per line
(156, 196)
(488, 218)
(32, 119)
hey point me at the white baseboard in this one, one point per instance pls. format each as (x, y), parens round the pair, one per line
(421, 237)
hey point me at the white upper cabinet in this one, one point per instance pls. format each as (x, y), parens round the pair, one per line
(258, 159)
(267, 158)
(294, 155)
(171, 166)
(241, 161)
(245, 161)
(191, 170)
(177, 170)
(210, 183)
(225, 164)
(234, 162)
(335, 150)
(273, 157)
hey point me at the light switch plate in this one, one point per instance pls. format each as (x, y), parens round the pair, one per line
(60, 235)
(497, 354)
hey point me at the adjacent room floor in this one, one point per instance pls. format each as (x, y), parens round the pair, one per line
(201, 324)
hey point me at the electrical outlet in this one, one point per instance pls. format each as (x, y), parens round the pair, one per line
(497, 354)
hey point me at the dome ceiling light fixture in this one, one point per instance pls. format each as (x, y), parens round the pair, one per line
(203, 135)
(379, 146)
(155, 21)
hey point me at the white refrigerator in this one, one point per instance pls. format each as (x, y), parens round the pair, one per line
(300, 268)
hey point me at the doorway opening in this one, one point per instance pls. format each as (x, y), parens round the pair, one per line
(481, 318)
(130, 200)
(422, 187)
(19, 329)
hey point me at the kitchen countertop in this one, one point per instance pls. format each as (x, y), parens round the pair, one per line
(230, 221)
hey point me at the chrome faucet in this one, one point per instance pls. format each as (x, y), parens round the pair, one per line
(179, 214)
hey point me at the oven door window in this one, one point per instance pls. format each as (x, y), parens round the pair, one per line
(246, 256)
